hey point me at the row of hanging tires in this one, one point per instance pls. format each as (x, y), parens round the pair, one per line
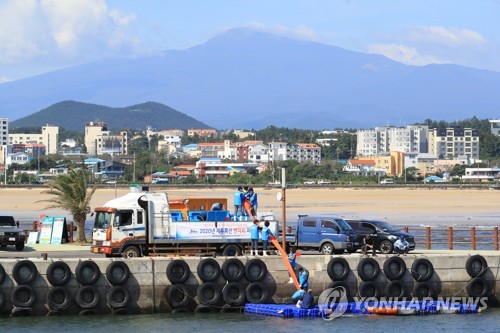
(395, 269)
(58, 297)
(222, 289)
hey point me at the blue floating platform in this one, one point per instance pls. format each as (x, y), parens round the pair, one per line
(404, 308)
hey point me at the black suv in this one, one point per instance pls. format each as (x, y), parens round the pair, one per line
(10, 234)
(384, 234)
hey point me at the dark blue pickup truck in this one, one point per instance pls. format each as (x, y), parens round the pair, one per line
(326, 233)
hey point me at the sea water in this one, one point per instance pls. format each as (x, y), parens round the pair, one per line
(488, 321)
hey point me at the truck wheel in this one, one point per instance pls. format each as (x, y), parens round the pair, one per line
(231, 250)
(20, 246)
(386, 247)
(327, 248)
(131, 252)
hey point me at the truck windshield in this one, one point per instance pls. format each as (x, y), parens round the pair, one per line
(343, 225)
(7, 221)
(102, 220)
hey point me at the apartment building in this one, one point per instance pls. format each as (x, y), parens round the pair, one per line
(4, 131)
(99, 140)
(204, 133)
(382, 140)
(495, 127)
(49, 138)
(453, 142)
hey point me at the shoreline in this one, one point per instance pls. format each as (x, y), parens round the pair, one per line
(401, 206)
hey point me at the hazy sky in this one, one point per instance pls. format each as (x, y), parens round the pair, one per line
(37, 36)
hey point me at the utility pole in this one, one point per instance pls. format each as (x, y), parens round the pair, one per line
(283, 207)
(134, 169)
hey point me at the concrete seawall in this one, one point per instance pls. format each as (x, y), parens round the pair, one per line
(147, 288)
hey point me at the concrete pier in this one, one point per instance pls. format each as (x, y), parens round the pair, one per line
(148, 285)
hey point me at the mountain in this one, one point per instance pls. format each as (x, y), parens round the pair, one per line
(249, 79)
(74, 115)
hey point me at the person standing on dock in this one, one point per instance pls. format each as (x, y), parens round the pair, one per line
(253, 200)
(292, 256)
(303, 278)
(238, 202)
(254, 236)
(266, 232)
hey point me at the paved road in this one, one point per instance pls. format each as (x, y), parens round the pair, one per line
(83, 251)
(53, 251)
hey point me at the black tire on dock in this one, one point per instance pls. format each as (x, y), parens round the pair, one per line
(424, 290)
(117, 297)
(368, 269)
(234, 293)
(87, 312)
(54, 313)
(178, 271)
(338, 269)
(478, 287)
(58, 273)
(256, 293)
(342, 286)
(394, 268)
(180, 310)
(476, 265)
(120, 312)
(209, 293)
(369, 289)
(24, 272)
(255, 270)
(422, 270)
(178, 296)
(208, 270)
(87, 272)
(21, 312)
(205, 309)
(87, 297)
(233, 270)
(58, 298)
(23, 296)
(2, 299)
(117, 273)
(2, 273)
(396, 289)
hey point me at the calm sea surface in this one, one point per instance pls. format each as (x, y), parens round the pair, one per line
(488, 321)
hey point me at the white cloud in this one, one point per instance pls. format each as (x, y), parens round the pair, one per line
(453, 37)
(62, 32)
(4, 79)
(405, 54)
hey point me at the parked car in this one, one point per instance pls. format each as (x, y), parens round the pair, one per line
(323, 182)
(384, 234)
(387, 181)
(309, 182)
(325, 233)
(10, 234)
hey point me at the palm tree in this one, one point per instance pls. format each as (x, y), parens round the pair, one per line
(71, 192)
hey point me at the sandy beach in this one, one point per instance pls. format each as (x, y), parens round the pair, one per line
(400, 206)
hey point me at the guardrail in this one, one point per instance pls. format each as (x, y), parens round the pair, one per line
(455, 237)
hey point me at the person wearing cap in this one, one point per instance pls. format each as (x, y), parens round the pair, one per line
(307, 299)
(401, 246)
(368, 244)
(303, 278)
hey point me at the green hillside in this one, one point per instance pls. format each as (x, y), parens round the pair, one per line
(72, 115)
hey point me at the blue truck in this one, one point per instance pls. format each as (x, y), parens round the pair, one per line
(327, 234)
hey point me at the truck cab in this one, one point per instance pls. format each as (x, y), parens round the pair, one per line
(326, 233)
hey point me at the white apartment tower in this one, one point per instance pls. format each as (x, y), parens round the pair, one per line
(453, 142)
(383, 140)
(99, 140)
